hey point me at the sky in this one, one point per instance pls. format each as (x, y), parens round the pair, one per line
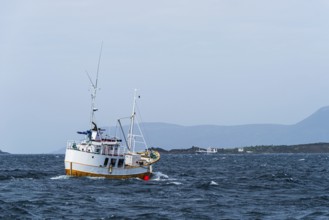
(220, 62)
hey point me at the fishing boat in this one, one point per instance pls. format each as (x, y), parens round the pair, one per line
(209, 150)
(100, 155)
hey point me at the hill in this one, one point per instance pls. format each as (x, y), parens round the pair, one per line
(2, 152)
(313, 129)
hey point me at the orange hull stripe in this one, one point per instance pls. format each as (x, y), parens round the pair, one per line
(81, 173)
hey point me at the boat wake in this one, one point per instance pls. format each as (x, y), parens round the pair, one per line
(158, 176)
(60, 177)
(95, 178)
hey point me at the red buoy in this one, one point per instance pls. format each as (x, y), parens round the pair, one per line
(146, 178)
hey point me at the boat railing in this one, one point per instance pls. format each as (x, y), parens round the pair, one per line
(71, 144)
(117, 151)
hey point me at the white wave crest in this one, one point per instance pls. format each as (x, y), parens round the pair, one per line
(213, 183)
(95, 178)
(175, 183)
(61, 177)
(157, 176)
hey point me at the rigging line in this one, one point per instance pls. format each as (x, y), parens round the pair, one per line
(125, 118)
(90, 79)
(142, 126)
(141, 135)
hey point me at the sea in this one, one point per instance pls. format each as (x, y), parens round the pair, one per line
(216, 186)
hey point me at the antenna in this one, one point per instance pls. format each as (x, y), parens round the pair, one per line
(132, 118)
(99, 61)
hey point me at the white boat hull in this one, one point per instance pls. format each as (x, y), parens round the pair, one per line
(81, 163)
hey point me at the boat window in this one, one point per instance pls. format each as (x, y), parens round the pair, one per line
(113, 162)
(121, 162)
(106, 162)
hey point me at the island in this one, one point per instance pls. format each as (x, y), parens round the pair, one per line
(2, 152)
(261, 149)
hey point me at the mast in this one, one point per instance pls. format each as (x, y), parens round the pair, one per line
(93, 109)
(132, 121)
(94, 90)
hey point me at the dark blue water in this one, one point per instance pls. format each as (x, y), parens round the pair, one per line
(287, 186)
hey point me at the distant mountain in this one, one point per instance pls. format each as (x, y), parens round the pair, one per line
(313, 129)
(60, 151)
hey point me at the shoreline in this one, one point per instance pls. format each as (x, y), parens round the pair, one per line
(258, 149)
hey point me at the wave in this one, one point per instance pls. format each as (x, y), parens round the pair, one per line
(175, 183)
(7, 174)
(65, 177)
(61, 177)
(158, 176)
(213, 183)
(95, 178)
